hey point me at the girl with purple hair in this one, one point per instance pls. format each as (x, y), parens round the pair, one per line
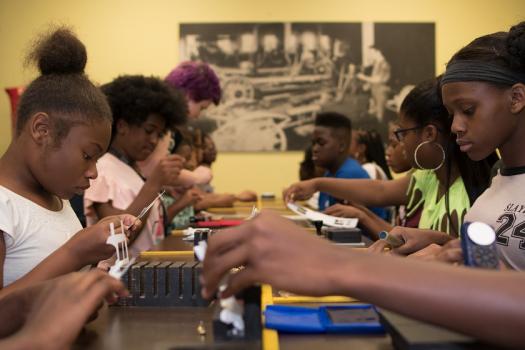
(200, 85)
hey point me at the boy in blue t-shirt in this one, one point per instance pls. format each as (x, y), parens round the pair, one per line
(330, 143)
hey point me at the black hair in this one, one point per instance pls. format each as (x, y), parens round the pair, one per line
(375, 149)
(336, 121)
(505, 49)
(183, 142)
(134, 97)
(183, 135)
(333, 120)
(307, 166)
(177, 138)
(62, 90)
(424, 106)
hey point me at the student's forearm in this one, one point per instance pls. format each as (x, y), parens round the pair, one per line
(215, 200)
(21, 342)
(485, 304)
(176, 208)
(432, 236)
(364, 191)
(190, 178)
(63, 260)
(373, 224)
(12, 313)
(438, 237)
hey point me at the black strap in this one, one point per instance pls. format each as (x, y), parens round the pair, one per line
(512, 171)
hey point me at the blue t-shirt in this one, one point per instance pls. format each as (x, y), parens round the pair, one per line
(350, 169)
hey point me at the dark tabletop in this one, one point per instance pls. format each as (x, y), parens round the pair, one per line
(176, 327)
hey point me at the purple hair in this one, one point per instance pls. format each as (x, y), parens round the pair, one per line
(196, 79)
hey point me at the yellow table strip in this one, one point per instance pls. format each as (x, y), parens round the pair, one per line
(167, 253)
(294, 299)
(270, 337)
(177, 233)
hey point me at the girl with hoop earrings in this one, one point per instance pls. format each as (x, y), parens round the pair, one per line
(438, 193)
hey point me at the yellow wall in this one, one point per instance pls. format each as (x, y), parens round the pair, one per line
(141, 37)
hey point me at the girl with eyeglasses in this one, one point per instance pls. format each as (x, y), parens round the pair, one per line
(438, 194)
(484, 92)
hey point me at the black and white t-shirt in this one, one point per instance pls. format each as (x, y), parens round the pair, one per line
(502, 206)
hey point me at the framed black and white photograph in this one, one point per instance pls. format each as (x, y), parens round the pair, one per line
(276, 76)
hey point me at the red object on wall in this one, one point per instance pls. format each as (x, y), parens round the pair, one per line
(14, 96)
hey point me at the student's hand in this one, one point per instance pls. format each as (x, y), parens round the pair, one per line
(246, 196)
(89, 245)
(167, 171)
(344, 211)
(450, 253)
(190, 197)
(56, 310)
(415, 239)
(131, 223)
(272, 250)
(300, 191)
(178, 190)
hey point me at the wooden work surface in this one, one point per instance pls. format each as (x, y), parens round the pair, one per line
(172, 328)
(245, 208)
(176, 328)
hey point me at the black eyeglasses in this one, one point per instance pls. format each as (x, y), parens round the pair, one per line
(400, 132)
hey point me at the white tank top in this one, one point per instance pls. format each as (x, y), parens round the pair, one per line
(31, 232)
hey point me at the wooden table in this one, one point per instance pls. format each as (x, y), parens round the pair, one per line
(176, 328)
(156, 328)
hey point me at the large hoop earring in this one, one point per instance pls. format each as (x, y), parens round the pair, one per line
(417, 162)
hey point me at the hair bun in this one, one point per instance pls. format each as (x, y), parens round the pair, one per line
(516, 46)
(59, 52)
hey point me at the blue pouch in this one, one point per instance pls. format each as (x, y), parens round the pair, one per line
(351, 319)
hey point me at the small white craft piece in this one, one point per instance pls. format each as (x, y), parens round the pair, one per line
(232, 310)
(200, 250)
(328, 220)
(231, 313)
(189, 233)
(119, 242)
(254, 213)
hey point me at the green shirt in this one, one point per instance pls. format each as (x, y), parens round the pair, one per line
(423, 193)
(182, 219)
